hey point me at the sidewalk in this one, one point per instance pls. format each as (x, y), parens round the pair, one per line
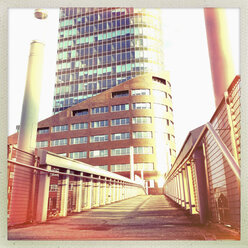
(151, 217)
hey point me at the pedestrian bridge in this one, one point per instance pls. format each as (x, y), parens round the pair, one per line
(80, 202)
(146, 217)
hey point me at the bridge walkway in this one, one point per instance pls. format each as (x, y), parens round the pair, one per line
(147, 217)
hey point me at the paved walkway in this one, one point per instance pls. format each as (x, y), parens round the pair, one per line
(150, 217)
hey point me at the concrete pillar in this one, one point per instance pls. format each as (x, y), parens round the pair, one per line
(220, 55)
(23, 177)
(79, 198)
(201, 184)
(64, 194)
(43, 195)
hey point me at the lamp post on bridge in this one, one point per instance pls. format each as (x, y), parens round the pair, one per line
(21, 206)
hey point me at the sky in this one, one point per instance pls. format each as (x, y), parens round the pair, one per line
(186, 58)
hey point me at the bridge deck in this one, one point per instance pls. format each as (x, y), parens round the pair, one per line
(150, 217)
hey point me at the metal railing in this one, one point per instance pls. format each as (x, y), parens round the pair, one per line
(206, 179)
(56, 186)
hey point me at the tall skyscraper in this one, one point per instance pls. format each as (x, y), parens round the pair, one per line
(99, 48)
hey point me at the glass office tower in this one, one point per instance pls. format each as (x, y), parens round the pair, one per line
(99, 48)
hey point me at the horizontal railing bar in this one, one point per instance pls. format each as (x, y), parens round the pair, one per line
(74, 175)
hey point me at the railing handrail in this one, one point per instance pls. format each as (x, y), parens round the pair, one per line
(227, 154)
(108, 178)
(79, 166)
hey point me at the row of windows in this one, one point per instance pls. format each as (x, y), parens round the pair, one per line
(106, 65)
(94, 73)
(98, 138)
(124, 32)
(159, 122)
(137, 167)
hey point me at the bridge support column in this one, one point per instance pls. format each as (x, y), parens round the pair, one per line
(64, 194)
(79, 199)
(43, 194)
(201, 184)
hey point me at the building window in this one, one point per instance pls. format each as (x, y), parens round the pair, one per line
(78, 126)
(120, 136)
(78, 155)
(159, 93)
(97, 124)
(142, 120)
(159, 80)
(80, 112)
(120, 94)
(99, 138)
(144, 166)
(120, 151)
(62, 128)
(160, 109)
(40, 144)
(79, 140)
(141, 105)
(53, 188)
(140, 92)
(142, 135)
(120, 167)
(62, 154)
(120, 107)
(143, 150)
(59, 142)
(99, 110)
(43, 130)
(103, 167)
(98, 153)
(119, 122)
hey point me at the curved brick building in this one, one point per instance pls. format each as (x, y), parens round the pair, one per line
(101, 130)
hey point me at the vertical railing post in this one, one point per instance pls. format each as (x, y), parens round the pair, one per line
(89, 193)
(182, 187)
(188, 186)
(79, 193)
(43, 195)
(230, 122)
(64, 194)
(186, 189)
(109, 191)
